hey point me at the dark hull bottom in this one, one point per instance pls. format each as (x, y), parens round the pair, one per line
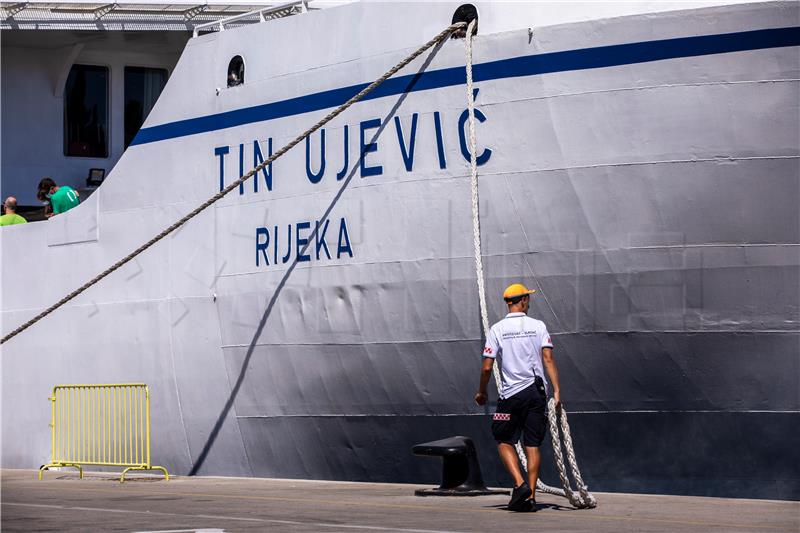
(689, 453)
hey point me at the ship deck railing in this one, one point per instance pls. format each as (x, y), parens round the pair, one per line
(264, 14)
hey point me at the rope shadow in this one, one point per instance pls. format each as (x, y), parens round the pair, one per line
(555, 507)
(212, 437)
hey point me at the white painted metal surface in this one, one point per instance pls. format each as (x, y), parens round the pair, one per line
(651, 200)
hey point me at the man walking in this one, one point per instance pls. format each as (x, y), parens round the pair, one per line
(523, 351)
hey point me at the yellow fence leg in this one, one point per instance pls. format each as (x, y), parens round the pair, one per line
(59, 465)
(144, 468)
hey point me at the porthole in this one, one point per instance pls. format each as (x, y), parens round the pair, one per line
(236, 71)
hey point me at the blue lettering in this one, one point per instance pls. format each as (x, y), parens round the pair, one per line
(320, 239)
(487, 152)
(261, 247)
(267, 238)
(312, 176)
(241, 167)
(220, 152)
(367, 148)
(258, 158)
(340, 175)
(437, 122)
(344, 241)
(302, 242)
(275, 247)
(286, 257)
(407, 153)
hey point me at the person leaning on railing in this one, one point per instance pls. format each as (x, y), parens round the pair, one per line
(62, 198)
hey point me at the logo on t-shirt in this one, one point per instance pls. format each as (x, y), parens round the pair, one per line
(518, 334)
(487, 350)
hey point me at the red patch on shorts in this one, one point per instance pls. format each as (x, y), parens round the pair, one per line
(502, 417)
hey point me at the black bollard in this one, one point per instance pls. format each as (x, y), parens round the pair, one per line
(461, 473)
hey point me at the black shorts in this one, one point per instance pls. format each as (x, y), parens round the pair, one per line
(523, 413)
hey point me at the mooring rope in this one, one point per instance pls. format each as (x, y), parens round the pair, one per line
(581, 498)
(330, 116)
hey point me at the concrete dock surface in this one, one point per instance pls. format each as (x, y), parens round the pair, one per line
(63, 502)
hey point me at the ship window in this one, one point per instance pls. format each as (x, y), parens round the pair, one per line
(142, 88)
(236, 71)
(86, 112)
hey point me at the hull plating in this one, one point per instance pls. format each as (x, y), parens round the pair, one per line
(654, 204)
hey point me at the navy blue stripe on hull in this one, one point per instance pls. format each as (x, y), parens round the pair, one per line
(531, 65)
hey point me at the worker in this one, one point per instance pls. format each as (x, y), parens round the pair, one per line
(11, 217)
(62, 197)
(522, 348)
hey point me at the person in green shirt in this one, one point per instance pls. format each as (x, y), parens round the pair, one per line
(62, 198)
(11, 217)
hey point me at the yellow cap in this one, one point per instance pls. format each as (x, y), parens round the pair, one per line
(515, 290)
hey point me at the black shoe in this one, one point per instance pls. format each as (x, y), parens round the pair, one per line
(519, 497)
(526, 507)
(533, 508)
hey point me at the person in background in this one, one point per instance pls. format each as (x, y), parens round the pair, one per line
(42, 194)
(62, 198)
(11, 217)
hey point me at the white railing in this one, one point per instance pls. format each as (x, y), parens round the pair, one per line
(264, 14)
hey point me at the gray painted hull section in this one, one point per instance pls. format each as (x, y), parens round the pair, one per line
(654, 206)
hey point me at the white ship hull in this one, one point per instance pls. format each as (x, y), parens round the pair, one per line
(641, 172)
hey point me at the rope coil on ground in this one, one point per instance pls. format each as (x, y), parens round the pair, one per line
(330, 116)
(582, 498)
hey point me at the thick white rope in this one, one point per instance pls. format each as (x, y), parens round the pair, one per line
(473, 161)
(581, 499)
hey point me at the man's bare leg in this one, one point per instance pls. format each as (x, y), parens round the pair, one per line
(509, 457)
(534, 459)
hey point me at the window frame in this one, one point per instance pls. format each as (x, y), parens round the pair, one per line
(109, 107)
(124, 97)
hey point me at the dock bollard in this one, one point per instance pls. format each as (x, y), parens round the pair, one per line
(461, 473)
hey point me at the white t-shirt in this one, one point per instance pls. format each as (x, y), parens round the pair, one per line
(516, 342)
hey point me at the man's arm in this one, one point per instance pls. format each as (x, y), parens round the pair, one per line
(552, 373)
(486, 373)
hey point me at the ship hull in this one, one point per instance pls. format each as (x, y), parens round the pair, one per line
(640, 172)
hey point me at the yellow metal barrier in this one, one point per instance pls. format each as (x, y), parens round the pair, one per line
(104, 425)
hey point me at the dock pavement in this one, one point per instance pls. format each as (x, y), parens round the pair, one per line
(63, 502)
